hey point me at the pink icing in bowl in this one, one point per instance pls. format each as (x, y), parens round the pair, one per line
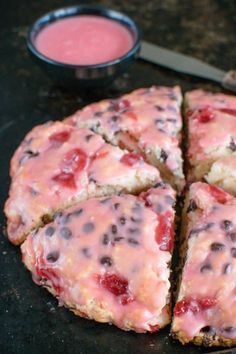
(85, 45)
(84, 40)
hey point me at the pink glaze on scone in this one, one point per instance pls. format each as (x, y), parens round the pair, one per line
(58, 165)
(205, 312)
(211, 122)
(108, 259)
(198, 99)
(147, 120)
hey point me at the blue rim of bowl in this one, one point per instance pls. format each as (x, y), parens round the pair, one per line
(76, 10)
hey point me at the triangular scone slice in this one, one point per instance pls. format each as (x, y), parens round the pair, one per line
(108, 259)
(211, 120)
(66, 165)
(223, 174)
(205, 312)
(147, 120)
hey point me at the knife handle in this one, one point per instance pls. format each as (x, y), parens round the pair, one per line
(229, 80)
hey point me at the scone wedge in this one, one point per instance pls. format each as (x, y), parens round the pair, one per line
(57, 166)
(147, 121)
(108, 259)
(205, 311)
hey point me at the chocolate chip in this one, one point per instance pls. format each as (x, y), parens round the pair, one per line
(159, 108)
(134, 231)
(133, 241)
(217, 246)
(98, 114)
(106, 260)
(171, 95)
(77, 212)
(163, 156)
(227, 268)
(31, 153)
(196, 231)
(52, 256)
(136, 220)
(114, 118)
(233, 252)
(232, 145)
(111, 108)
(92, 180)
(206, 329)
(33, 191)
(65, 232)
(192, 206)
(169, 200)
(49, 231)
(136, 208)
(122, 220)
(159, 121)
(89, 137)
(86, 252)
(104, 201)
(206, 268)
(105, 239)
(160, 185)
(114, 229)
(66, 218)
(232, 236)
(229, 329)
(88, 227)
(116, 205)
(226, 224)
(118, 239)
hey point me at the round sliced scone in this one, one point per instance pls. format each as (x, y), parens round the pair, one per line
(58, 165)
(146, 120)
(205, 311)
(108, 259)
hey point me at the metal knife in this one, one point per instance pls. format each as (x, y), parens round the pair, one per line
(225, 351)
(187, 65)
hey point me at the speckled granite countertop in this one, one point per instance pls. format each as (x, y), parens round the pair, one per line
(31, 322)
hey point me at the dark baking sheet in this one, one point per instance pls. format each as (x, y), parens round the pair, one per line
(31, 321)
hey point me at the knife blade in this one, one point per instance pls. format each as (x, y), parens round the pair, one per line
(225, 351)
(186, 64)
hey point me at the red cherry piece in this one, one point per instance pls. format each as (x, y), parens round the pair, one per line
(218, 194)
(75, 160)
(145, 196)
(228, 111)
(100, 155)
(58, 139)
(154, 328)
(114, 283)
(165, 232)
(120, 105)
(131, 158)
(205, 115)
(126, 299)
(49, 274)
(189, 113)
(184, 306)
(132, 115)
(65, 179)
(193, 305)
(207, 302)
